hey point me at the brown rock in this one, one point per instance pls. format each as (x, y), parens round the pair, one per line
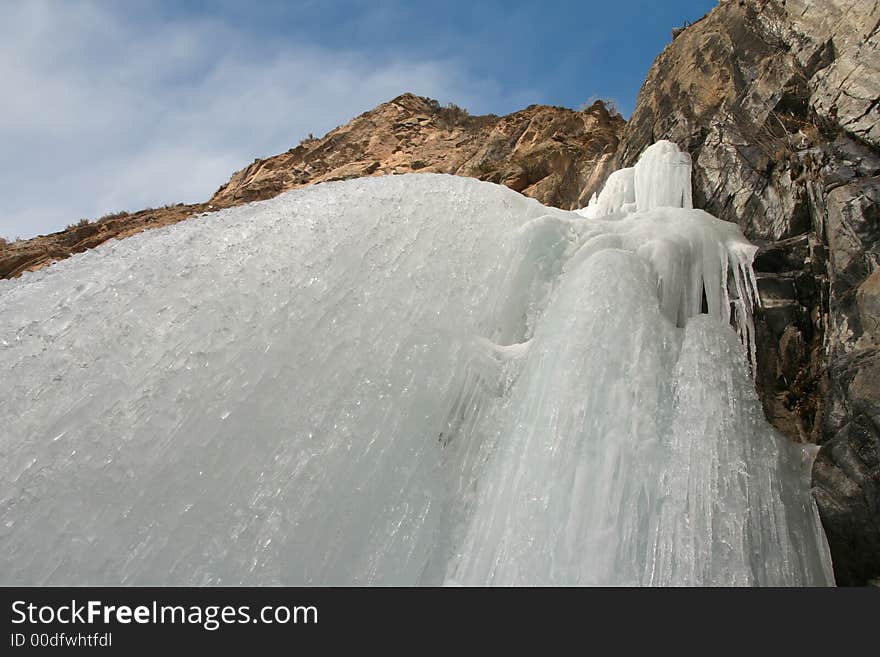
(548, 153)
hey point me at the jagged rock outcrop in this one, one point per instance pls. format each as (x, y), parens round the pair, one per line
(777, 103)
(549, 153)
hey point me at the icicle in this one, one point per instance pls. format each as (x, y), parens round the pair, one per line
(691, 252)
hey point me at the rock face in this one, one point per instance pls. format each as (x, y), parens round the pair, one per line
(777, 103)
(549, 153)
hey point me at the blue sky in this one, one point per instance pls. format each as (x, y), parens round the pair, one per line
(123, 105)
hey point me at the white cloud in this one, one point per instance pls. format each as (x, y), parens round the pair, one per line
(102, 112)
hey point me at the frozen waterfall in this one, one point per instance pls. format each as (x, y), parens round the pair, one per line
(415, 379)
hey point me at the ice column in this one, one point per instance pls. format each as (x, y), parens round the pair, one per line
(663, 177)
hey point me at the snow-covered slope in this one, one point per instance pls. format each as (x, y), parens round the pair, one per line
(407, 380)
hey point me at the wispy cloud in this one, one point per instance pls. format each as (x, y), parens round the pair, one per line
(106, 110)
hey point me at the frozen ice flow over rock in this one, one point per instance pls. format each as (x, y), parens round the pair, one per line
(660, 179)
(404, 380)
(663, 177)
(707, 263)
(719, 441)
(617, 195)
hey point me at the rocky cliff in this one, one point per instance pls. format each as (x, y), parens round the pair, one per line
(777, 103)
(550, 153)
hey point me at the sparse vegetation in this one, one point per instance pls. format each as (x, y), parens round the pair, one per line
(114, 215)
(609, 104)
(588, 103)
(453, 115)
(3, 241)
(309, 139)
(110, 216)
(81, 222)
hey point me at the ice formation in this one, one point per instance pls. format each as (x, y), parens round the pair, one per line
(414, 379)
(617, 195)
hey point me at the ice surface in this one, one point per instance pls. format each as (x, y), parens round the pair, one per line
(617, 195)
(414, 379)
(662, 177)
